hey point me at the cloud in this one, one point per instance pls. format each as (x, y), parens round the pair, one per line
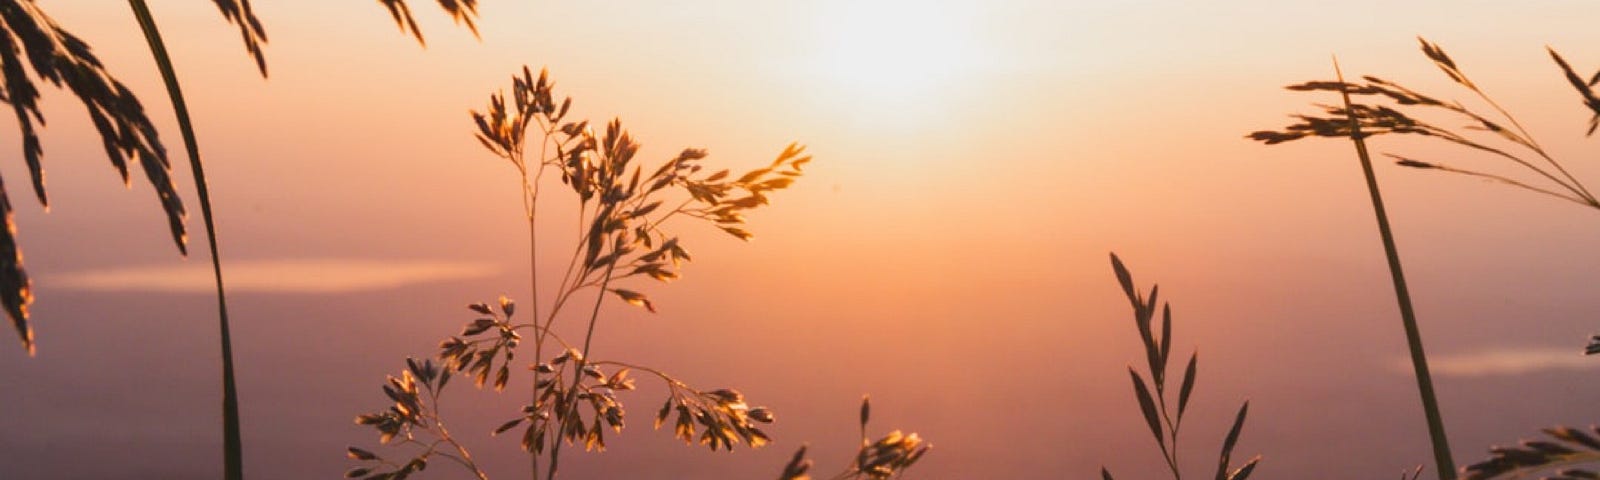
(271, 276)
(1504, 362)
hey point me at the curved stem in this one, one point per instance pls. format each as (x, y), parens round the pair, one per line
(1534, 145)
(232, 445)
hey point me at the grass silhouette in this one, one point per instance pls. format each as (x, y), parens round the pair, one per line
(1165, 420)
(623, 236)
(1511, 142)
(887, 457)
(1349, 121)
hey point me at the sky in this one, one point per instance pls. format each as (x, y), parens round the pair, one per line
(946, 252)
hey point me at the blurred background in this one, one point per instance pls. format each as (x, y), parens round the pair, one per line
(946, 252)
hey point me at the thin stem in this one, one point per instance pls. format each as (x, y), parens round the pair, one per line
(1170, 458)
(577, 373)
(232, 445)
(1173, 435)
(1514, 183)
(1535, 145)
(1419, 359)
(444, 435)
(530, 195)
(530, 198)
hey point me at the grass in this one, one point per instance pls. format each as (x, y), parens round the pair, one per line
(887, 457)
(1511, 142)
(1505, 138)
(625, 214)
(1164, 419)
(1351, 121)
(1444, 464)
(575, 395)
(240, 13)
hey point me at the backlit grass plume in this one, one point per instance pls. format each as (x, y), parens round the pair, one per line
(887, 457)
(1352, 121)
(31, 40)
(1165, 419)
(240, 14)
(1567, 454)
(624, 236)
(1498, 134)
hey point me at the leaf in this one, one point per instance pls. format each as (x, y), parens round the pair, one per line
(1105, 474)
(1244, 472)
(1231, 441)
(1126, 279)
(1188, 384)
(1166, 335)
(1147, 406)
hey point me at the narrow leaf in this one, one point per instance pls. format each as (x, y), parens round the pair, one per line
(1244, 472)
(1188, 384)
(1147, 406)
(1231, 441)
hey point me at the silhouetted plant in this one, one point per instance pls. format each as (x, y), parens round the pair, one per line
(622, 213)
(884, 458)
(461, 11)
(1561, 455)
(1357, 122)
(1165, 420)
(239, 13)
(30, 39)
(1377, 119)
(1594, 346)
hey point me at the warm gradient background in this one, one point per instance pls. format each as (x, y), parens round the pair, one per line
(946, 252)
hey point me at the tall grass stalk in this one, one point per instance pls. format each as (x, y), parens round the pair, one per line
(1408, 317)
(621, 213)
(232, 446)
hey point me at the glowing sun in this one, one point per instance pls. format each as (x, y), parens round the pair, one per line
(895, 49)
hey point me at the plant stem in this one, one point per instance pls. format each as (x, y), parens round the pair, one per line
(232, 446)
(1419, 360)
(577, 374)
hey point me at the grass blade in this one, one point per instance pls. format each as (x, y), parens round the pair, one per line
(1244, 472)
(1230, 442)
(1147, 406)
(1188, 384)
(233, 451)
(1126, 279)
(1419, 359)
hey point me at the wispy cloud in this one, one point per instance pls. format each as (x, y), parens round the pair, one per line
(333, 275)
(1504, 362)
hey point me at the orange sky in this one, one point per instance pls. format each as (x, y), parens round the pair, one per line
(946, 251)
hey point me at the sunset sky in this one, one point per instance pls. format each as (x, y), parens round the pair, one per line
(946, 251)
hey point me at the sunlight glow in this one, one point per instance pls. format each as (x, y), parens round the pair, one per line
(896, 50)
